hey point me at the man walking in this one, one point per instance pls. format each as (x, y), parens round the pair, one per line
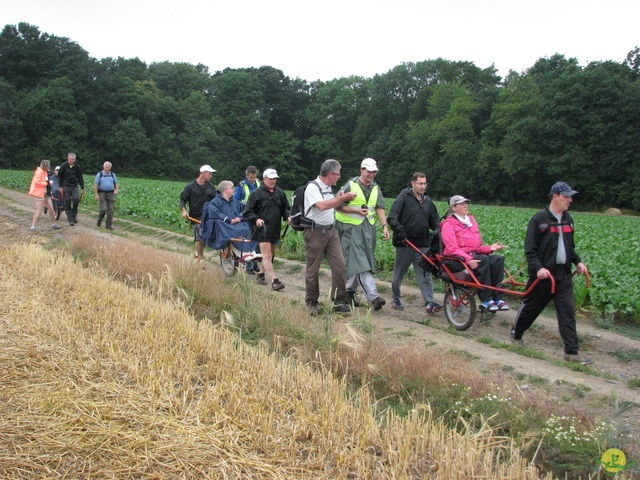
(105, 189)
(267, 206)
(248, 185)
(550, 251)
(70, 178)
(322, 239)
(196, 194)
(355, 223)
(412, 216)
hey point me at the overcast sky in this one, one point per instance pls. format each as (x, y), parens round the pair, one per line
(327, 39)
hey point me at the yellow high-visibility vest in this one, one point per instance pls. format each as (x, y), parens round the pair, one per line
(246, 192)
(354, 218)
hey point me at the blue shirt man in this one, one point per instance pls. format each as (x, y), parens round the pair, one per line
(105, 189)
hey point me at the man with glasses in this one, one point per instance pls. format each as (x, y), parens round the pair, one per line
(322, 239)
(411, 217)
(355, 223)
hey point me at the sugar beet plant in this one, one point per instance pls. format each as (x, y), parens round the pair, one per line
(606, 244)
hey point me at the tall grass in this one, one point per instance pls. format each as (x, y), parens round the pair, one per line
(107, 380)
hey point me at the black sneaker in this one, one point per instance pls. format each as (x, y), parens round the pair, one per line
(261, 279)
(397, 304)
(378, 303)
(341, 308)
(433, 307)
(277, 284)
(350, 299)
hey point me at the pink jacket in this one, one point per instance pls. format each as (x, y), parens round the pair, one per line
(460, 240)
(39, 183)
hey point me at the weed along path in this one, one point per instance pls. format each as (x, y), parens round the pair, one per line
(485, 347)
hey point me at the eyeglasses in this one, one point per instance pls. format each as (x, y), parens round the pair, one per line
(336, 174)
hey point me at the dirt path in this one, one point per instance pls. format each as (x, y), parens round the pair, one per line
(412, 326)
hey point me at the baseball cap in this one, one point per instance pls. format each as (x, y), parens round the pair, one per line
(370, 164)
(57, 168)
(561, 188)
(456, 199)
(206, 168)
(270, 173)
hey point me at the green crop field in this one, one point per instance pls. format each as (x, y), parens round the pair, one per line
(608, 245)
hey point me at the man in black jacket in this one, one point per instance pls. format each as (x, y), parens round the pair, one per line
(549, 249)
(196, 194)
(267, 206)
(70, 178)
(411, 217)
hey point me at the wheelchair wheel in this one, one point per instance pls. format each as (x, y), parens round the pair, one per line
(459, 306)
(228, 261)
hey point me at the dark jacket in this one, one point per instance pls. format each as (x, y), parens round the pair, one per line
(70, 176)
(196, 196)
(541, 242)
(413, 218)
(270, 207)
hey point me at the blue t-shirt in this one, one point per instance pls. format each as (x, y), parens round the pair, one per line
(106, 181)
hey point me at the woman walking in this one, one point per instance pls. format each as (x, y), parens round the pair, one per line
(41, 190)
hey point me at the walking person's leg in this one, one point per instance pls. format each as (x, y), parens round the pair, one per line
(401, 262)
(333, 252)
(110, 202)
(424, 279)
(36, 215)
(313, 252)
(103, 207)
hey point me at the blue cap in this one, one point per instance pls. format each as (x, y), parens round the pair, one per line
(561, 188)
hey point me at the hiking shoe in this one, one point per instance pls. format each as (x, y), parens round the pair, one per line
(341, 308)
(518, 342)
(396, 304)
(489, 306)
(378, 303)
(261, 279)
(98, 223)
(350, 299)
(577, 358)
(433, 307)
(71, 224)
(55, 226)
(109, 227)
(502, 305)
(277, 284)
(313, 310)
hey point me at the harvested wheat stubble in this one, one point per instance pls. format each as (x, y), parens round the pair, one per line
(105, 381)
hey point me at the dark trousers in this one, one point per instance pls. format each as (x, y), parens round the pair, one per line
(490, 271)
(71, 201)
(319, 243)
(533, 304)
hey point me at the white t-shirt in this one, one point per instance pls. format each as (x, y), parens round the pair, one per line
(312, 195)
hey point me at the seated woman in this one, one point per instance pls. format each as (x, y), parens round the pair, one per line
(461, 238)
(222, 220)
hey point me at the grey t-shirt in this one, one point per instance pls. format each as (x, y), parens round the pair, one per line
(561, 253)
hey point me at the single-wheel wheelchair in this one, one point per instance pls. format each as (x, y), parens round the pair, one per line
(236, 253)
(460, 305)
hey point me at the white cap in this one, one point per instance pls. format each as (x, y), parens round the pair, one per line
(456, 199)
(206, 168)
(370, 164)
(270, 173)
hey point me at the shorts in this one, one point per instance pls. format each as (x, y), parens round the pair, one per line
(197, 232)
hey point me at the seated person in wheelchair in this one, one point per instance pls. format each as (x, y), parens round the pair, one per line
(222, 221)
(461, 238)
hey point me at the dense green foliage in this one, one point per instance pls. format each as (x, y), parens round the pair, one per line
(498, 141)
(605, 243)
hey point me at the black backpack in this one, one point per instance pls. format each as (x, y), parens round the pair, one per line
(299, 220)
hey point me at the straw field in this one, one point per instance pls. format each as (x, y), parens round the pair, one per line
(102, 380)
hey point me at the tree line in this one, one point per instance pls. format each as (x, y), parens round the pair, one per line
(473, 133)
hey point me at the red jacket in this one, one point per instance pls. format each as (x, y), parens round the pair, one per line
(460, 240)
(39, 183)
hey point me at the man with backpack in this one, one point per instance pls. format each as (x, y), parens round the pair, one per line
(105, 189)
(321, 239)
(411, 217)
(71, 178)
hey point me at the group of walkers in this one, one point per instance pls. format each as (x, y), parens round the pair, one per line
(342, 230)
(65, 186)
